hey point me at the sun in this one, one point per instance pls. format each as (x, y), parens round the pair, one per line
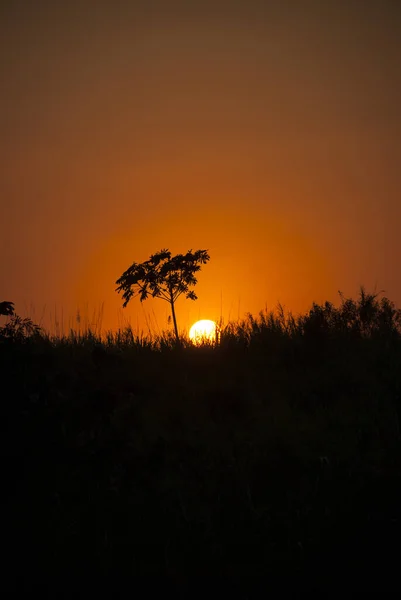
(203, 331)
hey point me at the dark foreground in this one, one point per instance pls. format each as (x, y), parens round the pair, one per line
(239, 470)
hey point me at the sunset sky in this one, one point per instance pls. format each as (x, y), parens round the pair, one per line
(268, 133)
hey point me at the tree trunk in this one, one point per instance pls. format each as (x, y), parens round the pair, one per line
(174, 319)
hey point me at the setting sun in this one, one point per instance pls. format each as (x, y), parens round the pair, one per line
(204, 330)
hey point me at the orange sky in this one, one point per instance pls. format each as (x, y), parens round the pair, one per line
(269, 135)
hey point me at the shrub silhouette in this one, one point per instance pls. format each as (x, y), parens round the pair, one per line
(163, 276)
(6, 308)
(17, 328)
(368, 316)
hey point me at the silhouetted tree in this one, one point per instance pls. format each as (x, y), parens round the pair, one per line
(163, 276)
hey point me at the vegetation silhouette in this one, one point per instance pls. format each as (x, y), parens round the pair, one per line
(17, 328)
(163, 276)
(273, 459)
(6, 308)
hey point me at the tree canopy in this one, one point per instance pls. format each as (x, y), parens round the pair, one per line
(163, 276)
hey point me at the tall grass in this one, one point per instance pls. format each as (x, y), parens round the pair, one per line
(367, 317)
(272, 453)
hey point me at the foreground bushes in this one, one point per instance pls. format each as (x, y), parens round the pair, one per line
(273, 455)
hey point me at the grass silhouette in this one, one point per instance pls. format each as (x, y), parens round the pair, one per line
(269, 458)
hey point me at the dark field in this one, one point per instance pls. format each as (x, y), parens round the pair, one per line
(268, 463)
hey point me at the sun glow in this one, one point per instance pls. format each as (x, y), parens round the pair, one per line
(203, 331)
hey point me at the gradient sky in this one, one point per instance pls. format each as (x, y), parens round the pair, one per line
(266, 132)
